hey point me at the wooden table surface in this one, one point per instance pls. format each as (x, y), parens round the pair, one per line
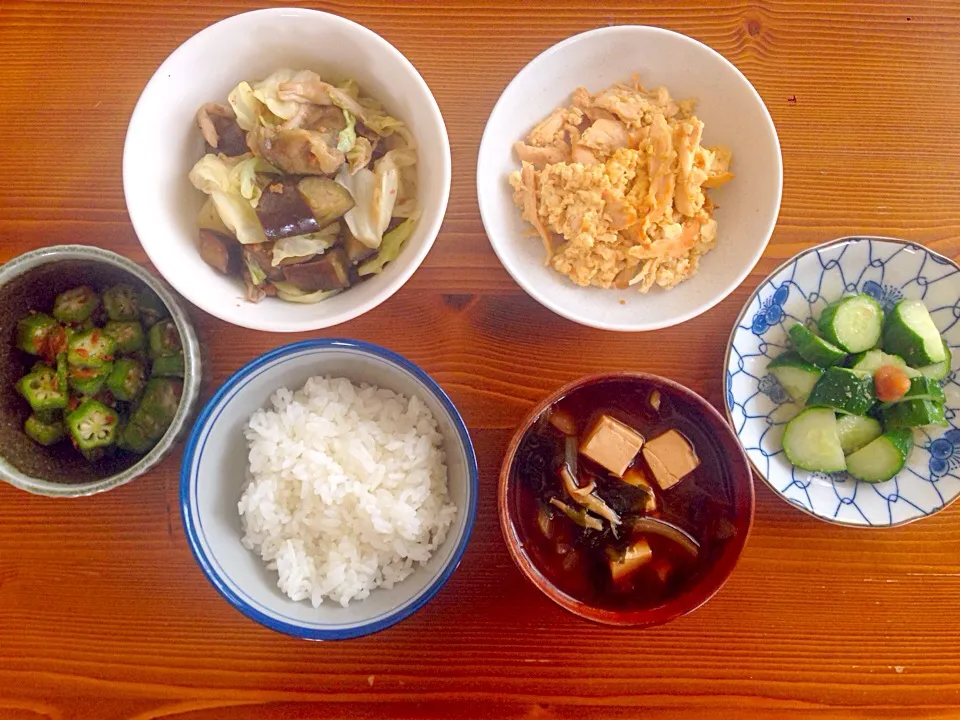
(105, 615)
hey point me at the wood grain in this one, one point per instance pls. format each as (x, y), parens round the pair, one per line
(103, 613)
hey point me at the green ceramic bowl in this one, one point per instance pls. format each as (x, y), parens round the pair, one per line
(30, 282)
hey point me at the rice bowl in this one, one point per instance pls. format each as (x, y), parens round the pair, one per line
(214, 476)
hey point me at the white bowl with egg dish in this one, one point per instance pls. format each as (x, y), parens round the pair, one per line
(294, 183)
(629, 178)
(328, 489)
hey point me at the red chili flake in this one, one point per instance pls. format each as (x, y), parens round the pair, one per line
(95, 336)
(82, 352)
(111, 418)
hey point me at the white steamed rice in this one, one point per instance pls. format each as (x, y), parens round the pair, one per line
(347, 491)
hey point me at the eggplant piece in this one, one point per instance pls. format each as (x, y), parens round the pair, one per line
(356, 251)
(328, 272)
(219, 251)
(233, 140)
(327, 199)
(379, 148)
(284, 212)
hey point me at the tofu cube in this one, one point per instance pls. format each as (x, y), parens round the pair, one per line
(671, 457)
(612, 444)
(634, 558)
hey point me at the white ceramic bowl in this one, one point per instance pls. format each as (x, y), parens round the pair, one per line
(733, 115)
(214, 473)
(163, 143)
(758, 407)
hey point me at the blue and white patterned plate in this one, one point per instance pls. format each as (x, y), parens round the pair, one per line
(889, 270)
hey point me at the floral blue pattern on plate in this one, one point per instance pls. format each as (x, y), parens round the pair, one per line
(889, 270)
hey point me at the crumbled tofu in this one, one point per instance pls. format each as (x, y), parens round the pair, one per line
(638, 478)
(612, 444)
(634, 557)
(671, 457)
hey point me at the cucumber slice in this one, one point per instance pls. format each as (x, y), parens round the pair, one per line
(795, 374)
(938, 371)
(852, 323)
(855, 431)
(810, 441)
(843, 390)
(910, 333)
(882, 458)
(921, 388)
(872, 360)
(913, 413)
(814, 349)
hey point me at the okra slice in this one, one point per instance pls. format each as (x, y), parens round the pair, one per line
(44, 432)
(91, 348)
(152, 309)
(121, 302)
(94, 454)
(76, 305)
(32, 332)
(164, 339)
(126, 380)
(168, 366)
(88, 381)
(135, 439)
(41, 366)
(43, 391)
(128, 335)
(62, 379)
(157, 407)
(92, 426)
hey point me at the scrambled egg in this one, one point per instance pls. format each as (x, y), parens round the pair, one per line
(614, 185)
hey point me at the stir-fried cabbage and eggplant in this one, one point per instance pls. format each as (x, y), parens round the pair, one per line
(312, 186)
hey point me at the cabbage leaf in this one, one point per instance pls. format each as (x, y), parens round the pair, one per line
(348, 136)
(212, 175)
(304, 245)
(390, 248)
(245, 106)
(243, 178)
(257, 275)
(361, 218)
(360, 154)
(267, 91)
(291, 293)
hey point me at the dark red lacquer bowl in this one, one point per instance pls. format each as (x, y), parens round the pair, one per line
(704, 584)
